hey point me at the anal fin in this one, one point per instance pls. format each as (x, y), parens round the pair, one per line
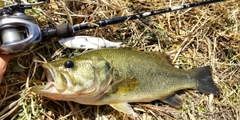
(122, 107)
(173, 100)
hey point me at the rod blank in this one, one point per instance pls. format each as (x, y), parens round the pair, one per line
(101, 23)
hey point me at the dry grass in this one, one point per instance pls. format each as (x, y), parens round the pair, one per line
(205, 35)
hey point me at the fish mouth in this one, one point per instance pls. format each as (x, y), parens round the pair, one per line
(60, 86)
(49, 74)
(56, 86)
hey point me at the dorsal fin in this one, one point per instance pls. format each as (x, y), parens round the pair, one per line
(163, 56)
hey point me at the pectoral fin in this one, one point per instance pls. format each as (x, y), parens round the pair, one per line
(122, 107)
(173, 100)
(125, 86)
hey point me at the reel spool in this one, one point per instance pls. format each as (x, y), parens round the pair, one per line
(18, 31)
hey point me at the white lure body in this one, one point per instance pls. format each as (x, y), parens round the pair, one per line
(87, 42)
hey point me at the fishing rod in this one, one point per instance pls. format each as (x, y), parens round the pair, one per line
(20, 33)
(84, 26)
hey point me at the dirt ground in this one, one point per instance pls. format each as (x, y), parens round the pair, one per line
(193, 37)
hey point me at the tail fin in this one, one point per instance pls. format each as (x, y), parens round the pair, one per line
(205, 83)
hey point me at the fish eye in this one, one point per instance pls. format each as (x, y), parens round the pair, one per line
(69, 64)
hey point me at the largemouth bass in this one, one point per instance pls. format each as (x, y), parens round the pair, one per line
(119, 76)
